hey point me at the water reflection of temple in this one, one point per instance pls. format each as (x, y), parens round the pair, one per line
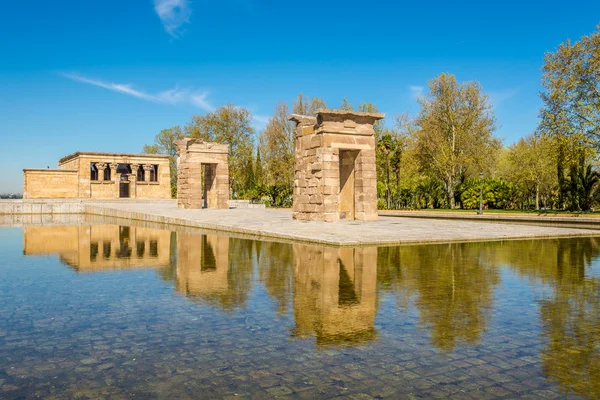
(204, 270)
(100, 247)
(334, 293)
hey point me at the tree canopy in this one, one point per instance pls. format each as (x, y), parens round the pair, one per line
(455, 131)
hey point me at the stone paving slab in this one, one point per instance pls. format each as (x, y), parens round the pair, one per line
(272, 223)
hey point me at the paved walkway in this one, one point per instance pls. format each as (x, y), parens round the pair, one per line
(271, 223)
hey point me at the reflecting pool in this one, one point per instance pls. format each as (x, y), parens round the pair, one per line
(112, 311)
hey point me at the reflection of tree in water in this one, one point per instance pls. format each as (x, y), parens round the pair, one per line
(452, 286)
(239, 275)
(276, 271)
(169, 273)
(570, 317)
(571, 324)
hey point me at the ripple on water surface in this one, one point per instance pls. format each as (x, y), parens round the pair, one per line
(110, 311)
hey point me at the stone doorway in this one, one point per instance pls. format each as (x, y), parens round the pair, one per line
(335, 170)
(346, 206)
(209, 175)
(124, 188)
(202, 174)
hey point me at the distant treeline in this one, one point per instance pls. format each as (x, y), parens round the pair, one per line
(445, 154)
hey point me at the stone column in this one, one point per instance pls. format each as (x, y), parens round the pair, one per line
(133, 181)
(115, 178)
(101, 167)
(222, 184)
(147, 169)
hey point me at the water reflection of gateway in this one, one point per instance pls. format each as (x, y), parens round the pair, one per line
(334, 296)
(202, 263)
(204, 270)
(100, 247)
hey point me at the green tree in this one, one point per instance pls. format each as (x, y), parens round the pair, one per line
(164, 143)
(259, 173)
(390, 145)
(531, 165)
(571, 79)
(304, 106)
(346, 105)
(277, 144)
(588, 181)
(231, 125)
(454, 134)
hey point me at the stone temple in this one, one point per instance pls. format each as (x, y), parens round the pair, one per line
(93, 175)
(202, 174)
(335, 176)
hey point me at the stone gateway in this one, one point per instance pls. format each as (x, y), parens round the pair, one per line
(335, 176)
(202, 174)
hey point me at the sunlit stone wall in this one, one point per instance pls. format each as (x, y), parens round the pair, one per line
(73, 178)
(195, 159)
(335, 170)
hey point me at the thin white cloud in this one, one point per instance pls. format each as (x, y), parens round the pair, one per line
(501, 96)
(172, 96)
(263, 119)
(200, 100)
(416, 91)
(173, 14)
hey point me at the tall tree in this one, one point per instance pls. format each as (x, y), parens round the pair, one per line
(390, 145)
(532, 166)
(277, 144)
(571, 79)
(304, 106)
(231, 125)
(455, 131)
(164, 143)
(346, 105)
(259, 173)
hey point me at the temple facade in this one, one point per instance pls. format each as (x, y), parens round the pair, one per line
(88, 175)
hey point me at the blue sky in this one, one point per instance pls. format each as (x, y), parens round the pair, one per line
(108, 75)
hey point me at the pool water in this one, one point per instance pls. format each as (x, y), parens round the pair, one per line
(114, 311)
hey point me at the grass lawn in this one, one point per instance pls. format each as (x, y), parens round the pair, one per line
(514, 212)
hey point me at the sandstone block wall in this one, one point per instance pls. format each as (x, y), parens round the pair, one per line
(109, 189)
(50, 183)
(335, 170)
(195, 159)
(72, 179)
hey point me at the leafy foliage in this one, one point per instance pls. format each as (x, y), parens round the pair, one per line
(571, 79)
(231, 125)
(164, 143)
(454, 135)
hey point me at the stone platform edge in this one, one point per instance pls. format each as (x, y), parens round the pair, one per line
(567, 219)
(256, 234)
(45, 209)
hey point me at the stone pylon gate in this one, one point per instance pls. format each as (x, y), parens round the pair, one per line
(202, 174)
(335, 176)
